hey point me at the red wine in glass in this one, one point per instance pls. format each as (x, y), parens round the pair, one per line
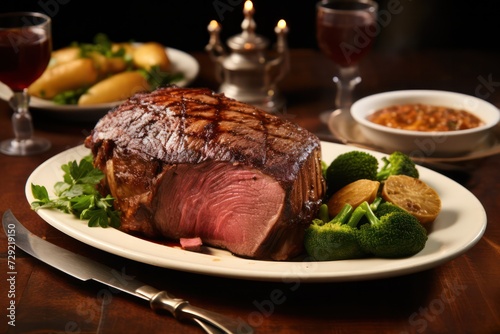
(22, 64)
(345, 30)
(25, 50)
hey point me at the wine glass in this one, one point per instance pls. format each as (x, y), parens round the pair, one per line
(345, 30)
(25, 50)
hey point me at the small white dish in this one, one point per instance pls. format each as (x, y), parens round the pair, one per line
(426, 143)
(347, 131)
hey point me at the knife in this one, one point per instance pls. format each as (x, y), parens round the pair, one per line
(86, 269)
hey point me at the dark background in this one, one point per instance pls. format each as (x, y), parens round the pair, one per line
(421, 24)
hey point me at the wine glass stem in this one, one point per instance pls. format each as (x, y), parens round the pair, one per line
(346, 79)
(21, 119)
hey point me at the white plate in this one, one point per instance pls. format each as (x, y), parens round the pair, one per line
(457, 229)
(181, 62)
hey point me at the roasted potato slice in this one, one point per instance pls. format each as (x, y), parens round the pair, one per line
(115, 88)
(354, 193)
(67, 76)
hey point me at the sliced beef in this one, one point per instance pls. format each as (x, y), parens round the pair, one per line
(191, 244)
(187, 163)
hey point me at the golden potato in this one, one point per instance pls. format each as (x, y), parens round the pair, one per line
(106, 65)
(117, 87)
(64, 55)
(128, 47)
(151, 54)
(70, 75)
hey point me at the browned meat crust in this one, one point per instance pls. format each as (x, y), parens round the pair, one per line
(153, 142)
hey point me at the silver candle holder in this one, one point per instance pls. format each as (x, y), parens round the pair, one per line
(248, 73)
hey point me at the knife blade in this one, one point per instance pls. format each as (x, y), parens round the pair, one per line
(86, 269)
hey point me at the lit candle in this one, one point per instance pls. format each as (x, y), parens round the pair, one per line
(281, 27)
(213, 26)
(248, 24)
(248, 8)
(214, 46)
(281, 31)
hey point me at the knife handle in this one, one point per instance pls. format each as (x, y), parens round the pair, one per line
(164, 301)
(182, 309)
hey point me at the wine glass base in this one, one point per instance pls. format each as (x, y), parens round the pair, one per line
(26, 147)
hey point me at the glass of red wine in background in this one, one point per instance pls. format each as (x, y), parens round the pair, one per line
(345, 30)
(25, 49)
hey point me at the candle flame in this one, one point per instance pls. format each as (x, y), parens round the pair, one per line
(281, 24)
(213, 25)
(248, 6)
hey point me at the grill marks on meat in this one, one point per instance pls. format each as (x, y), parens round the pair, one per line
(185, 162)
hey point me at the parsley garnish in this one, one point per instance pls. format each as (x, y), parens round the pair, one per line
(78, 195)
(102, 45)
(156, 78)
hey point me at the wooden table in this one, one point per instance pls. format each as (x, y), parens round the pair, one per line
(460, 296)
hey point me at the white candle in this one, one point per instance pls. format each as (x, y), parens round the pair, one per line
(248, 8)
(281, 31)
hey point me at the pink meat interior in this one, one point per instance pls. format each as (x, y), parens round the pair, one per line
(226, 205)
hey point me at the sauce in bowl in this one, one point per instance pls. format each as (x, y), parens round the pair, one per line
(422, 117)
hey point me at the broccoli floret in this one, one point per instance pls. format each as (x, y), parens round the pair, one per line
(374, 206)
(336, 239)
(323, 214)
(397, 163)
(349, 167)
(393, 235)
(376, 203)
(385, 208)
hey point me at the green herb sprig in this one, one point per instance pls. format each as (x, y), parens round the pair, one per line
(78, 195)
(102, 45)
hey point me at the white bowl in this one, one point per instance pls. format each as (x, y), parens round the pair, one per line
(422, 143)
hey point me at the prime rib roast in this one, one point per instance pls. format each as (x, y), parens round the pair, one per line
(188, 162)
